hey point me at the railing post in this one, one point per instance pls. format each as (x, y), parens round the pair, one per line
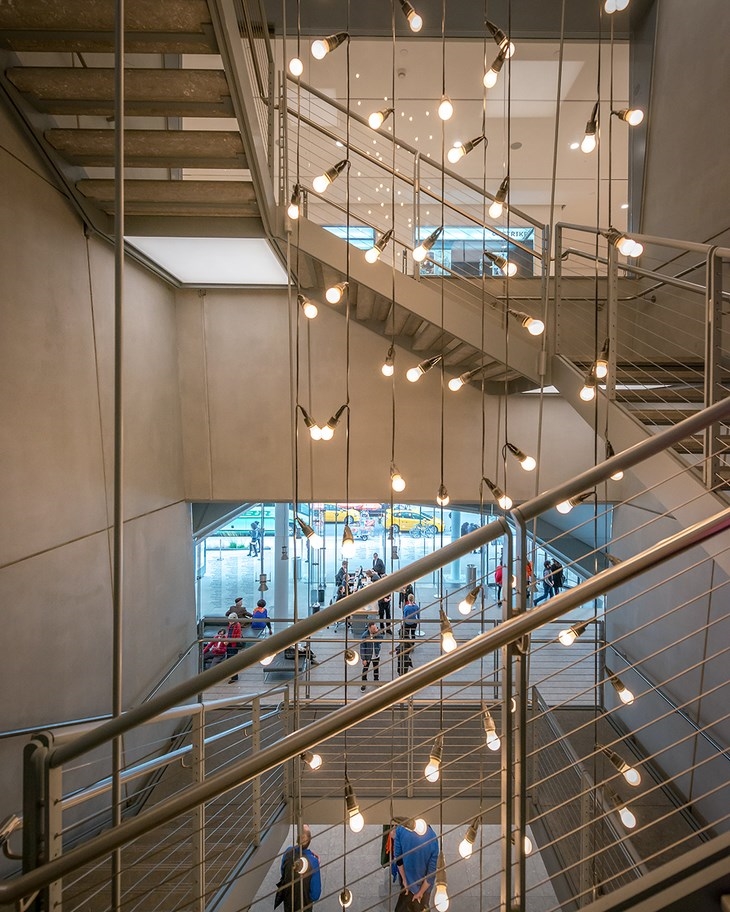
(586, 840)
(508, 754)
(42, 818)
(713, 355)
(197, 763)
(256, 784)
(409, 749)
(612, 320)
(554, 330)
(521, 654)
(416, 210)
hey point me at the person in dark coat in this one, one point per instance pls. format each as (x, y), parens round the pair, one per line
(299, 890)
(370, 651)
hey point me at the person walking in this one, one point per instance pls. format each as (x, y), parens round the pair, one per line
(547, 582)
(411, 616)
(403, 654)
(558, 578)
(415, 859)
(384, 611)
(378, 564)
(253, 544)
(370, 652)
(498, 576)
(298, 890)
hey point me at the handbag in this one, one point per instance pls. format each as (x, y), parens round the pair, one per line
(407, 902)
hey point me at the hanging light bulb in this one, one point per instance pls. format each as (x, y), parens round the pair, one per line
(421, 252)
(630, 773)
(618, 475)
(315, 431)
(267, 660)
(568, 636)
(322, 181)
(503, 42)
(615, 6)
(456, 383)
(528, 463)
(445, 109)
(502, 499)
(345, 898)
(504, 265)
(397, 482)
(351, 657)
(323, 46)
(534, 326)
(526, 843)
(301, 865)
(442, 497)
(348, 542)
(588, 390)
(378, 247)
(466, 846)
(627, 818)
(441, 894)
(378, 118)
(356, 820)
(567, 505)
(600, 367)
(632, 116)
(295, 203)
(625, 245)
(491, 76)
(467, 603)
(459, 150)
(624, 694)
(313, 761)
(448, 643)
(415, 373)
(312, 537)
(495, 210)
(490, 730)
(309, 308)
(388, 366)
(589, 141)
(414, 20)
(334, 293)
(328, 430)
(296, 68)
(433, 767)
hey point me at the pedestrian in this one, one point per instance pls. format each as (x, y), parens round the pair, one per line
(404, 593)
(378, 565)
(557, 568)
(415, 859)
(547, 582)
(403, 654)
(233, 635)
(238, 608)
(384, 611)
(260, 617)
(370, 651)
(498, 576)
(411, 616)
(253, 544)
(216, 650)
(342, 577)
(298, 890)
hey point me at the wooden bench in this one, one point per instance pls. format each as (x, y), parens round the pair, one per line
(282, 669)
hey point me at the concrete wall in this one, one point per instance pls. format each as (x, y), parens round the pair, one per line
(237, 404)
(56, 462)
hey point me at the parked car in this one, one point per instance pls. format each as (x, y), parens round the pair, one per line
(337, 513)
(413, 521)
(241, 525)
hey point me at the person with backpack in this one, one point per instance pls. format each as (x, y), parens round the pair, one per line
(299, 889)
(557, 571)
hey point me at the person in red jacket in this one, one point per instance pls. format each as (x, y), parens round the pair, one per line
(232, 634)
(498, 581)
(215, 651)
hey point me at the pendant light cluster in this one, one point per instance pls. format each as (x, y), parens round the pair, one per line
(625, 245)
(326, 431)
(631, 116)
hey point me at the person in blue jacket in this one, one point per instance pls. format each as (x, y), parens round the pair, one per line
(260, 617)
(298, 891)
(370, 651)
(411, 616)
(415, 858)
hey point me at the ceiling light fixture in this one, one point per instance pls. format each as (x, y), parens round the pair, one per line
(446, 108)
(348, 542)
(495, 210)
(415, 373)
(617, 476)
(448, 642)
(468, 602)
(625, 245)
(466, 846)
(459, 150)
(456, 383)
(295, 203)
(528, 463)
(503, 500)
(296, 67)
(373, 255)
(433, 768)
(627, 818)
(600, 368)
(314, 539)
(397, 482)
(441, 893)
(356, 820)
(414, 20)
(533, 325)
(588, 390)
(568, 636)
(503, 42)
(388, 365)
(442, 497)
(503, 264)
(323, 46)
(492, 74)
(567, 505)
(309, 308)
(313, 761)
(322, 181)
(624, 694)
(632, 116)
(335, 292)
(590, 139)
(378, 118)
(630, 774)
(421, 252)
(490, 730)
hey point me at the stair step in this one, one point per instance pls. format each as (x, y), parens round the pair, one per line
(661, 416)
(147, 92)
(663, 394)
(164, 27)
(152, 148)
(157, 197)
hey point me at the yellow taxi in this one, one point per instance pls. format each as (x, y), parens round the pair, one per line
(415, 522)
(338, 513)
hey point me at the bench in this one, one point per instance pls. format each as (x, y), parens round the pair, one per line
(282, 669)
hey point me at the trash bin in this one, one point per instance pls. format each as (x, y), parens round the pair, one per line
(314, 607)
(316, 595)
(471, 576)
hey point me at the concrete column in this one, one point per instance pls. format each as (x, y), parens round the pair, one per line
(282, 563)
(454, 580)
